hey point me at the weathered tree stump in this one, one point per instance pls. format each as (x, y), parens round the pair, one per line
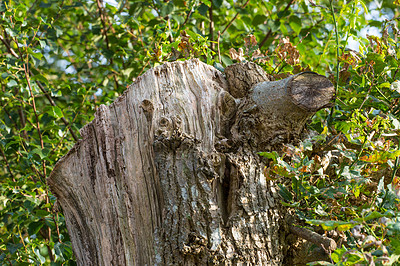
(169, 175)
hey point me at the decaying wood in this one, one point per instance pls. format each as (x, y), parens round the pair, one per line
(242, 77)
(275, 112)
(169, 175)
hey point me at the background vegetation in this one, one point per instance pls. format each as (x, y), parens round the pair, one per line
(60, 59)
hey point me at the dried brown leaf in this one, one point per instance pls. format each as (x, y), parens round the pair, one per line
(236, 55)
(287, 52)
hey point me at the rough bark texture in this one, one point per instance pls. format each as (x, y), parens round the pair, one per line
(242, 76)
(275, 111)
(169, 175)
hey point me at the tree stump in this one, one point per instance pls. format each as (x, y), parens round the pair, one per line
(169, 173)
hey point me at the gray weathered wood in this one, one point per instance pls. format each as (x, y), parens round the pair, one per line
(276, 111)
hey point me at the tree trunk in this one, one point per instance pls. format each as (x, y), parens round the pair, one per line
(169, 173)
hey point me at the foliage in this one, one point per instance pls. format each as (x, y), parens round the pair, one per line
(345, 178)
(59, 60)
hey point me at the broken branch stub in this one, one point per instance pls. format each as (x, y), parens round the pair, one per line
(276, 111)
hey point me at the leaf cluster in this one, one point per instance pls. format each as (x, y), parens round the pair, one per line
(343, 180)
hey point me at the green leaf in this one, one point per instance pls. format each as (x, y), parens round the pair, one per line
(12, 248)
(270, 155)
(274, 25)
(320, 211)
(39, 152)
(167, 9)
(206, 2)
(320, 263)
(34, 227)
(11, 32)
(379, 61)
(203, 8)
(57, 112)
(375, 23)
(59, 31)
(40, 78)
(259, 19)
(373, 215)
(295, 24)
(395, 86)
(36, 55)
(12, 83)
(41, 258)
(366, 10)
(42, 213)
(217, 3)
(127, 72)
(285, 193)
(42, 43)
(283, 29)
(384, 85)
(227, 61)
(108, 53)
(331, 225)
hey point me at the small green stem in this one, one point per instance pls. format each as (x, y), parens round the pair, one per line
(395, 168)
(337, 43)
(330, 117)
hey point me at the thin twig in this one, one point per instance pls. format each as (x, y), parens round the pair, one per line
(66, 123)
(270, 31)
(20, 113)
(11, 50)
(219, 51)
(30, 9)
(42, 32)
(103, 21)
(105, 28)
(22, 240)
(230, 22)
(26, 70)
(7, 164)
(370, 87)
(32, 166)
(234, 18)
(265, 38)
(366, 97)
(395, 73)
(187, 18)
(337, 45)
(47, 95)
(86, 9)
(210, 11)
(49, 229)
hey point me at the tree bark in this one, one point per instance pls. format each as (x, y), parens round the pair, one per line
(169, 173)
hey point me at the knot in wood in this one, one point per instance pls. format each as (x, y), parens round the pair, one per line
(242, 76)
(171, 135)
